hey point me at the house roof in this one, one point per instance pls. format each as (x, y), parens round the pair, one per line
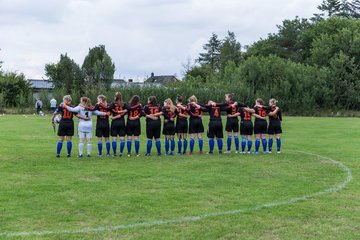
(163, 79)
(41, 84)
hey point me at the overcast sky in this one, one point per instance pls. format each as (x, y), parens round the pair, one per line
(141, 36)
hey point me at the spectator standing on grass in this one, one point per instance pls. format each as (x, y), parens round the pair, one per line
(38, 106)
(53, 103)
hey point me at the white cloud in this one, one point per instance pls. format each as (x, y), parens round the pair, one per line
(141, 36)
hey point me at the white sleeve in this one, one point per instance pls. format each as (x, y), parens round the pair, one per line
(75, 109)
(97, 112)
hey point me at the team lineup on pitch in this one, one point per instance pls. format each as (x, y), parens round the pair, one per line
(175, 121)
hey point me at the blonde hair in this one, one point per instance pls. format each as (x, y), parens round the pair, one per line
(193, 99)
(273, 101)
(86, 101)
(102, 97)
(170, 104)
(68, 97)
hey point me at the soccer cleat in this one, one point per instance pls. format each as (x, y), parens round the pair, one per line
(248, 152)
(120, 155)
(68, 155)
(108, 155)
(57, 155)
(220, 152)
(179, 153)
(242, 152)
(171, 154)
(256, 152)
(80, 156)
(114, 155)
(99, 155)
(129, 155)
(236, 152)
(209, 153)
(227, 152)
(88, 155)
(138, 155)
(278, 152)
(269, 152)
(159, 154)
(147, 155)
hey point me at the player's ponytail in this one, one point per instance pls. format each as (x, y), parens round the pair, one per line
(273, 101)
(152, 100)
(170, 104)
(102, 98)
(134, 100)
(193, 99)
(118, 98)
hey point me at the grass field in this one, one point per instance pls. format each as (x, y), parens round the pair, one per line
(292, 195)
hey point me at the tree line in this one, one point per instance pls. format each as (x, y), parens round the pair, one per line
(308, 64)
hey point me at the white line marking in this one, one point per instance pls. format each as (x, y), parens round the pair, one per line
(336, 188)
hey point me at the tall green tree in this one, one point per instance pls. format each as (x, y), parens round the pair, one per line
(230, 50)
(343, 8)
(211, 56)
(98, 66)
(65, 74)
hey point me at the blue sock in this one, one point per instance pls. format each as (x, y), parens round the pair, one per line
(278, 144)
(108, 147)
(257, 145)
(69, 147)
(185, 145)
(167, 146)
(158, 146)
(172, 145)
(137, 146)
(149, 146)
(270, 144)
(229, 143)
(122, 146)
(100, 148)
(59, 147)
(179, 146)
(114, 145)
(264, 143)
(249, 145)
(201, 143)
(243, 144)
(192, 143)
(211, 144)
(129, 142)
(220, 144)
(236, 139)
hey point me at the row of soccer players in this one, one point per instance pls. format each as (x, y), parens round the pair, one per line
(179, 119)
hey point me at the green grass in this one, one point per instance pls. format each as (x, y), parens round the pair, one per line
(41, 193)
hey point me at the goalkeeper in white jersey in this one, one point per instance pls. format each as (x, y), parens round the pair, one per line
(84, 113)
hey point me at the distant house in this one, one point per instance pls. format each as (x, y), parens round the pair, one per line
(162, 79)
(38, 85)
(118, 82)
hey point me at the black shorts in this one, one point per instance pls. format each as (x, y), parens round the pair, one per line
(274, 128)
(169, 128)
(215, 129)
(66, 128)
(133, 127)
(102, 128)
(118, 128)
(246, 128)
(260, 127)
(232, 124)
(153, 129)
(182, 126)
(196, 126)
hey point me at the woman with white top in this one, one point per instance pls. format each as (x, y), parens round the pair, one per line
(84, 113)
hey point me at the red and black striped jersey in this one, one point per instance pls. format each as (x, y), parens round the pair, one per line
(66, 115)
(134, 111)
(151, 109)
(168, 114)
